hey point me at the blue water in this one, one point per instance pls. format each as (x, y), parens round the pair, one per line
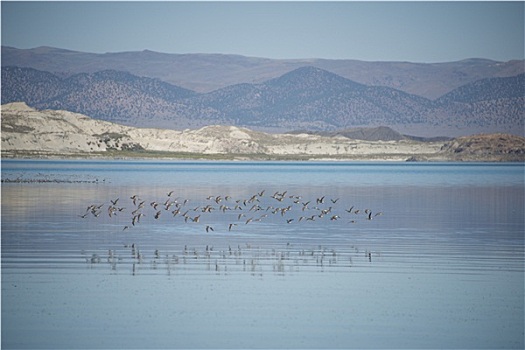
(439, 262)
(356, 173)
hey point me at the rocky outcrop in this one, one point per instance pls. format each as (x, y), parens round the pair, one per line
(483, 147)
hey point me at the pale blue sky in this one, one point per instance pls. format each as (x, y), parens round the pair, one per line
(371, 31)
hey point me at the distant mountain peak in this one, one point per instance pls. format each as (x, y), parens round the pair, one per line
(477, 60)
(309, 71)
(310, 76)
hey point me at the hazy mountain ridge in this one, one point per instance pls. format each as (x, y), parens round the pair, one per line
(107, 95)
(30, 85)
(306, 98)
(209, 72)
(487, 89)
(380, 133)
(313, 98)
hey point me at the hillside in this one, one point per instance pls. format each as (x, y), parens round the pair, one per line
(491, 147)
(380, 133)
(306, 98)
(487, 89)
(209, 72)
(27, 132)
(107, 95)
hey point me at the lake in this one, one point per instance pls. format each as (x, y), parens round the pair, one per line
(181, 254)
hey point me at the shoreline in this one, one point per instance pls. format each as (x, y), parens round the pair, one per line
(34, 134)
(171, 156)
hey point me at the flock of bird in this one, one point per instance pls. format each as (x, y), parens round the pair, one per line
(225, 214)
(281, 207)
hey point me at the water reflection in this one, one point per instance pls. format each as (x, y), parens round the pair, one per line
(254, 260)
(442, 266)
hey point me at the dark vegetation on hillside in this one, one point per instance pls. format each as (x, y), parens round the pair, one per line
(306, 98)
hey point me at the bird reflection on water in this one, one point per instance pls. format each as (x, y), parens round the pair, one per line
(256, 260)
(222, 214)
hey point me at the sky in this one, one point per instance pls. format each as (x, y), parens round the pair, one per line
(414, 31)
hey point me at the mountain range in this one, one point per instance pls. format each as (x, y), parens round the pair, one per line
(307, 97)
(209, 72)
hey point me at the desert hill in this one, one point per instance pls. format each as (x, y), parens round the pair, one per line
(27, 132)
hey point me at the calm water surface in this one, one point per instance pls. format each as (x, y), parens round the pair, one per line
(262, 255)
